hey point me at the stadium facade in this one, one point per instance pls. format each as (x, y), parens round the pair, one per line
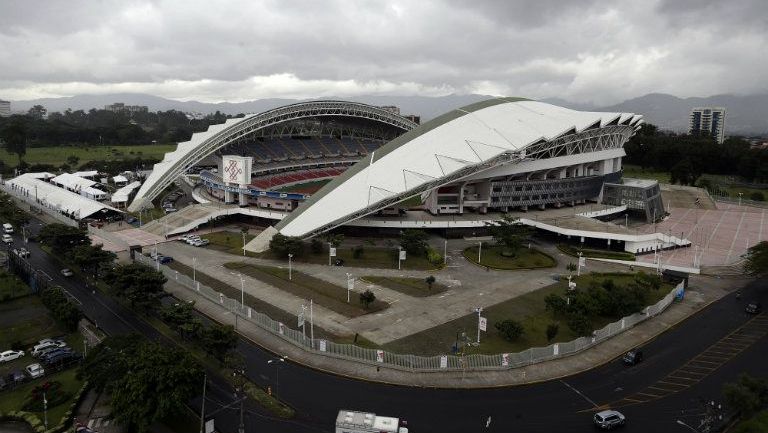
(498, 155)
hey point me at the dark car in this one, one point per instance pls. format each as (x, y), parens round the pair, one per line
(633, 357)
(55, 353)
(166, 259)
(753, 308)
(16, 377)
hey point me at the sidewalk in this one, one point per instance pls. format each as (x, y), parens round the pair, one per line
(704, 291)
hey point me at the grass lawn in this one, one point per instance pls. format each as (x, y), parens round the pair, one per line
(229, 241)
(373, 257)
(756, 424)
(12, 287)
(308, 287)
(527, 258)
(14, 400)
(257, 304)
(635, 171)
(58, 155)
(573, 251)
(301, 187)
(529, 309)
(26, 320)
(416, 287)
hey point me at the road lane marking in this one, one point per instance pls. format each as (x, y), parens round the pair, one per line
(579, 393)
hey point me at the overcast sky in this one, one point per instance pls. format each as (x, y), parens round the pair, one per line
(588, 51)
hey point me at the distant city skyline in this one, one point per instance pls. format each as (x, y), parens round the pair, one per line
(585, 51)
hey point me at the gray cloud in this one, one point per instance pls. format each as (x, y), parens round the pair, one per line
(584, 50)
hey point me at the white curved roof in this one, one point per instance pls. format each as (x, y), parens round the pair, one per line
(473, 136)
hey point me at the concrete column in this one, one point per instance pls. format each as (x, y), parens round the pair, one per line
(243, 199)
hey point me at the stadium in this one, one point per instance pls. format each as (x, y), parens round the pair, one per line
(319, 165)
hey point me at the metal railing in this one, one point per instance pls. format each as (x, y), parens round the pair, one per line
(407, 362)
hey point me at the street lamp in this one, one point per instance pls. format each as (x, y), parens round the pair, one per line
(740, 194)
(243, 244)
(277, 376)
(350, 285)
(194, 270)
(290, 273)
(157, 259)
(479, 251)
(578, 267)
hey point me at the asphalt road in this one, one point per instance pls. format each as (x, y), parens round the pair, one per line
(560, 405)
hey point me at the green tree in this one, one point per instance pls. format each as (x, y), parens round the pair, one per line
(219, 340)
(579, 324)
(509, 232)
(414, 242)
(684, 172)
(92, 259)
(552, 330)
(316, 245)
(14, 134)
(430, 280)
(62, 309)
(367, 298)
(37, 112)
(757, 196)
(63, 238)
(283, 245)
(510, 329)
(747, 396)
(335, 239)
(139, 284)
(555, 303)
(147, 381)
(73, 160)
(181, 318)
(756, 262)
(571, 268)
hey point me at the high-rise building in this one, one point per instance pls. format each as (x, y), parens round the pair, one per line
(5, 108)
(708, 119)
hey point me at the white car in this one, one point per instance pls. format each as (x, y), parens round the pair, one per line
(192, 239)
(47, 344)
(35, 370)
(10, 355)
(7, 239)
(66, 272)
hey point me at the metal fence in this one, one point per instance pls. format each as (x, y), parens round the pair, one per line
(501, 361)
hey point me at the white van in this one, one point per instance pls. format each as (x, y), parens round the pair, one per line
(7, 228)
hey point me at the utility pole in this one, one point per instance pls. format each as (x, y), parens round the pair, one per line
(290, 273)
(202, 409)
(479, 251)
(311, 323)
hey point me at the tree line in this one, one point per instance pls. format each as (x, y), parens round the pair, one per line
(686, 157)
(99, 128)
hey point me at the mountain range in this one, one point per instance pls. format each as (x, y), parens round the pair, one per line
(746, 114)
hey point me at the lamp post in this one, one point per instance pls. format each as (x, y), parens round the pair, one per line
(399, 254)
(277, 374)
(290, 269)
(740, 194)
(479, 251)
(330, 249)
(445, 252)
(479, 310)
(194, 270)
(578, 265)
(243, 244)
(242, 290)
(350, 285)
(157, 259)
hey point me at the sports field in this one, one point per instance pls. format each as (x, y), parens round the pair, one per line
(306, 187)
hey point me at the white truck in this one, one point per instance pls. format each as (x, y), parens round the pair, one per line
(350, 421)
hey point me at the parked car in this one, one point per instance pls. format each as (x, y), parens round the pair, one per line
(170, 210)
(634, 356)
(753, 307)
(23, 252)
(49, 344)
(131, 220)
(609, 419)
(16, 377)
(10, 355)
(192, 239)
(35, 370)
(61, 357)
(67, 272)
(7, 239)
(165, 259)
(201, 242)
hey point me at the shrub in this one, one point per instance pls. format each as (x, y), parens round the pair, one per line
(757, 196)
(552, 330)
(430, 280)
(358, 251)
(555, 303)
(316, 246)
(53, 394)
(510, 329)
(434, 257)
(366, 298)
(579, 324)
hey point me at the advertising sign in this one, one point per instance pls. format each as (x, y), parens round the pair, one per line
(379, 356)
(332, 252)
(237, 169)
(443, 361)
(505, 359)
(483, 324)
(301, 318)
(323, 345)
(402, 254)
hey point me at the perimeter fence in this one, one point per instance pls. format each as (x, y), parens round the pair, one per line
(408, 362)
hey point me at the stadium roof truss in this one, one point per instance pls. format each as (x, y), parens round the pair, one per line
(456, 145)
(205, 143)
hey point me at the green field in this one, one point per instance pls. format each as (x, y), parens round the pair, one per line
(634, 171)
(526, 258)
(301, 187)
(14, 400)
(58, 155)
(228, 241)
(308, 287)
(416, 287)
(373, 257)
(12, 287)
(529, 309)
